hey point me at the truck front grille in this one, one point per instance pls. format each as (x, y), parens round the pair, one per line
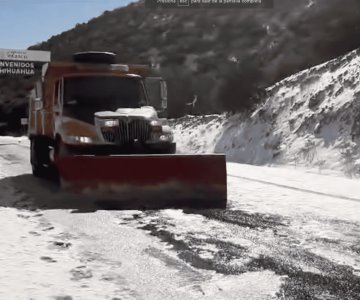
(127, 132)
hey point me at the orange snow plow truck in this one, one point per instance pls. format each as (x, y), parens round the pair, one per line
(93, 123)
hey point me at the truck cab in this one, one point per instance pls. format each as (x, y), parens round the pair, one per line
(94, 106)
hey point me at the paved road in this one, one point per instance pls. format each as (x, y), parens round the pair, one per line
(286, 234)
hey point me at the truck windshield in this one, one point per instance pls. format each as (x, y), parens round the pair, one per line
(83, 96)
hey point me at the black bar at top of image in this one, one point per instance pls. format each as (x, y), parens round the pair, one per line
(209, 3)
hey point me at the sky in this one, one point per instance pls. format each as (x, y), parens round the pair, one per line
(24, 23)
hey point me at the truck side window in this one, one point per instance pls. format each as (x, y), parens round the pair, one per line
(56, 93)
(143, 101)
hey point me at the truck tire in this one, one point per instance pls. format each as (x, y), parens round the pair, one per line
(40, 157)
(60, 148)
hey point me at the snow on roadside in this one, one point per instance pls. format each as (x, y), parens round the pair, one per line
(38, 259)
(342, 193)
(15, 140)
(198, 134)
(309, 120)
(30, 268)
(322, 211)
(11, 159)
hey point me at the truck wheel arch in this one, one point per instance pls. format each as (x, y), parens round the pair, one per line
(40, 155)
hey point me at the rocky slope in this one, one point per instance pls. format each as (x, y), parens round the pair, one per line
(222, 57)
(309, 119)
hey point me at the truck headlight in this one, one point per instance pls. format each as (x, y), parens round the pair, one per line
(156, 129)
(156, 126)
(166, 138)
(79, 139)
(107, 122)
(166, 130)
(85, 139)
(161, 132)
(155, 123)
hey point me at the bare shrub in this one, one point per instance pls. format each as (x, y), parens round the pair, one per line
(309, 151)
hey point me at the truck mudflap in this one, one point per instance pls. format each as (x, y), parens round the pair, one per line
(148, 181)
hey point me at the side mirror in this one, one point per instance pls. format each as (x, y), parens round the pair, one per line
(38, 104)
(157, 93)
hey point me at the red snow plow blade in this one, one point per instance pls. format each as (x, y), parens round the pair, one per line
(148, 181)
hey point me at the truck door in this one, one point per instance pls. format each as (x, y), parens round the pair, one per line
(157, 94)
(35, 110)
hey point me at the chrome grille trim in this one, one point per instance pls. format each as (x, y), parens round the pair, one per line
(127, 132)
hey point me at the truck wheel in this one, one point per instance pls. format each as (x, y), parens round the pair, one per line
(39, 157)
(60, 148)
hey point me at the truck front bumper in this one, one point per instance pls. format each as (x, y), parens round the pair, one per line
(113, 149)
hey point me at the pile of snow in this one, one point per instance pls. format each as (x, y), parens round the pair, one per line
(310, 119)
(198, 134)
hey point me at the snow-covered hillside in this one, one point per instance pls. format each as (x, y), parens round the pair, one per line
(310, 119)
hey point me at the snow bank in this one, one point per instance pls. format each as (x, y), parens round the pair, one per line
(310, 119)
